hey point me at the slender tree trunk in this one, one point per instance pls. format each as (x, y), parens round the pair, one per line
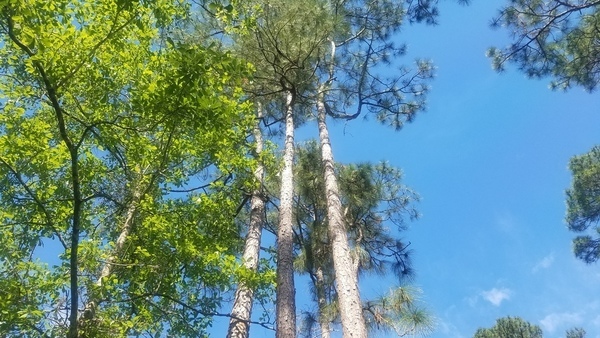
(239, 326)
(75, 180)
(322, 302)
(353, 323)
(286, 303)
(89, 312)
(75, 230)
(125, 231)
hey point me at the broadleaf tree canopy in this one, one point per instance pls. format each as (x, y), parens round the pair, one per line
(129, 153)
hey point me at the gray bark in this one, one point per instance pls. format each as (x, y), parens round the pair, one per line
(353, 323)
(286, 304)
(125, 231)
(90, 307)
(323, 322)
(239, 326)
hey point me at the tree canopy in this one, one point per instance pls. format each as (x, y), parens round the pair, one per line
(516, 327)
(553, 38)
(510, 327)
(583, 204)
(576, 333)
(128, 152)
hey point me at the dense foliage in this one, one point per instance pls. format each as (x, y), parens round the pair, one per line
(510, 327)
(583, 204)
(124, 154)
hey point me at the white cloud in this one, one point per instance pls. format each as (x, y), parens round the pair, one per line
(554, 320)
(545, 263)
(496, 296)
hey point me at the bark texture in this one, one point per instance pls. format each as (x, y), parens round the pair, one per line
(322, 302)
(353, 323)
(286, 303)
(89, 312)
(239, 326)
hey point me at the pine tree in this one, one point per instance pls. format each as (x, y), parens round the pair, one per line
(363, 188)
(364, 38)
(583, 204)
(283, 46)
(509, 327)
(554, 38)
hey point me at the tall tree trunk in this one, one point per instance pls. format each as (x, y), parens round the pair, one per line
(125, 231)
(239, 326)
(353, 323)
(286, 303)
(89, 312)
(322, 302)
(75, 231)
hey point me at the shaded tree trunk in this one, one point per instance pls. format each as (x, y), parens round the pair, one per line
(353, 323)
(286, 304)
(322, 302)
(75, 228)
(239, 326)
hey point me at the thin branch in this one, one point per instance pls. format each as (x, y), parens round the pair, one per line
(37, 201)
(113, 30)
(75, 179)
(266, 325)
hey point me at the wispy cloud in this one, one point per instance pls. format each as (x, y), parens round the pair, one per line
(545, 263)
(506, 222)
(449, 330)
(496, 296)
(596, 321)
(554, 320)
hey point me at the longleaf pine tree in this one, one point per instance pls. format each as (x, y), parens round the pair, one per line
(372, 198)
(583, 205)
(558, 39)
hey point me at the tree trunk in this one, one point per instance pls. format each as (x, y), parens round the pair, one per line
(75, 231)
(89, 312)
(286, 303)
(239, 326)
(322, 302)
(125, 231)
(353, 323)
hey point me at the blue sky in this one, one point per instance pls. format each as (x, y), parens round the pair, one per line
(489, 159)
